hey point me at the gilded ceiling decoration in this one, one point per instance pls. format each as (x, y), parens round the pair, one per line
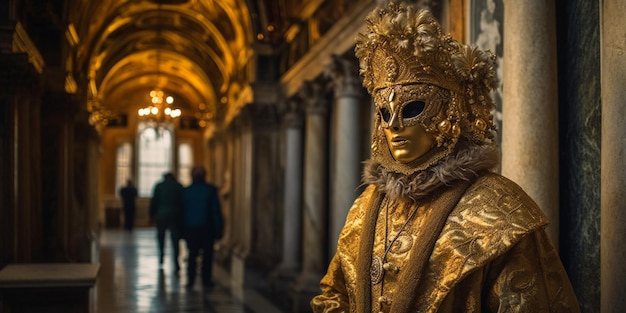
(207, 54)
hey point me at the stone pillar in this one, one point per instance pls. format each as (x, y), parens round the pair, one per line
(530, 143)
(580, 122)
(259, 245)
(84, 158)
(346, 167)
(266, 203)
(315, 188)
(241, 206)
(613, 157)
(219, 163)
(292, 218)
(21, 85)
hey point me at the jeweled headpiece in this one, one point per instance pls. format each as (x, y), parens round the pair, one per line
(404, 51)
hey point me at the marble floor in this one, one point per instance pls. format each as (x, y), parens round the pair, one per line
(131, 280)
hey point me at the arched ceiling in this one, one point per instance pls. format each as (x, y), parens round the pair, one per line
(192, 49)
(206, 50)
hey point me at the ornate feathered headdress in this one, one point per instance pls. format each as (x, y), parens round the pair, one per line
(404, 47)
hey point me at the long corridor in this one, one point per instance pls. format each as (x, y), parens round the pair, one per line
(131, 281)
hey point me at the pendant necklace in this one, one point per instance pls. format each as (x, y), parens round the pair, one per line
(378, 263)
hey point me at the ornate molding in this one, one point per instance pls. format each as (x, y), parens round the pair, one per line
(344, 73)
(21, 43)
(314, 96)
(337, 40)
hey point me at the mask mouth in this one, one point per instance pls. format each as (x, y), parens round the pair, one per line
(399, 142)
(397, 137)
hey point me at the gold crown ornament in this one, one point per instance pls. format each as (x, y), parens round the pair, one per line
(404, 54)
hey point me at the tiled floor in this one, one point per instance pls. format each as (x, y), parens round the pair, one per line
(131, 281)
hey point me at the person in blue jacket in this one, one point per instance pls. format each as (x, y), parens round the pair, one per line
(202, 225)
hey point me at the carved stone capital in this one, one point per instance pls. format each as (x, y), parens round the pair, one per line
(313, 93)
(344, 74)
(293, 114)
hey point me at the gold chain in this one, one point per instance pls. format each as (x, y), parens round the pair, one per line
(388, 248)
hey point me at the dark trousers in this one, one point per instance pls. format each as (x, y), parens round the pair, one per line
(129, 218)
(199, 242)
(162, 227)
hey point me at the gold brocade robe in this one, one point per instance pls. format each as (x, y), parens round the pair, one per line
(492, 255)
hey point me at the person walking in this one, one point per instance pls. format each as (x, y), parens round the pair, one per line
(128, 194)
(202, 225)
(165, 211)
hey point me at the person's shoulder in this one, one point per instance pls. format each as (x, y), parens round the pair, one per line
(211, 187)
(362, 202)
(495, 193)
(189, 187)
(498, 185)
(203, 186)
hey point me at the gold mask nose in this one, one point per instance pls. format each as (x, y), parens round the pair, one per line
(395, 121)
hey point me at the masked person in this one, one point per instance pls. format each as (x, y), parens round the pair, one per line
(436, 230)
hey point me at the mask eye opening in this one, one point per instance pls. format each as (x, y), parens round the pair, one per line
(413, 109)
(385, 114)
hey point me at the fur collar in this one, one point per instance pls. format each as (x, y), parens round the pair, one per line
(465, 164)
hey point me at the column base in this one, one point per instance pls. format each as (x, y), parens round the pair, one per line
(242, 275)
(285, 272)
(303, 290)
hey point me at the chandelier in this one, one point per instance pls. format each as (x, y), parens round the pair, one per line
(160, 109)
(99, 116)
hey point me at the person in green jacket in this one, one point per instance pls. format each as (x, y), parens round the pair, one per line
(165, 211)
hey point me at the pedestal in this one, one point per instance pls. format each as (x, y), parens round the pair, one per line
(47, 287)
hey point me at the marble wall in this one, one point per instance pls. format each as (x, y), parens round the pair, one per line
(613, 155)
(580, 137)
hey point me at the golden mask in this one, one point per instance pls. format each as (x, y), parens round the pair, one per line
(405, 51)
(406, 138)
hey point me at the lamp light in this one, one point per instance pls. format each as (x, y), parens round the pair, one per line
(160, 110)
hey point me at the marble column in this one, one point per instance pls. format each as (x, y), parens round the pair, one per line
(613, 157)
(241, 207)
(530, 143)
(346, 174)
(315, 187)
(580, 122)
(292, 219)
(257, 203)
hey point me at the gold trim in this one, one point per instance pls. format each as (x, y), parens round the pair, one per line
(22, 44)
(71, 35)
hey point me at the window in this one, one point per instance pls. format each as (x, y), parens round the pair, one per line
(123, 169)
(185, 162)
(154, 156)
